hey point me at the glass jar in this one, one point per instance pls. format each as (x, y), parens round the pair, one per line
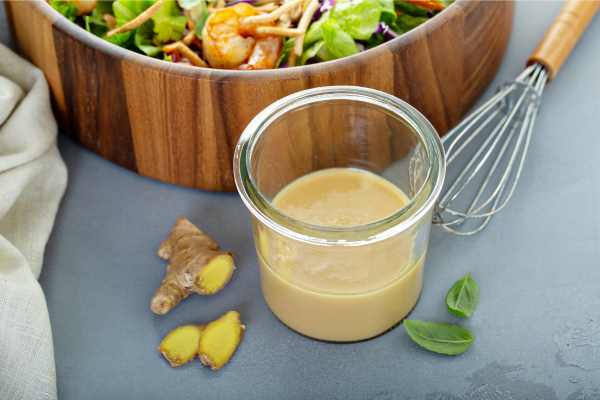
(340, 283)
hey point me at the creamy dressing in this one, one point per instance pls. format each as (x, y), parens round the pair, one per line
(340, 197)
(339, 293)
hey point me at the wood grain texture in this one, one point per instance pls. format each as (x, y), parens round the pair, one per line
(32, 37)
(97, 106)
(181, 124)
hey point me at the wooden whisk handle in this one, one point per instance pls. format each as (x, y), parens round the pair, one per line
(563, 34)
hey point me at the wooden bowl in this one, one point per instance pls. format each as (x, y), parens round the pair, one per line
(180, 124)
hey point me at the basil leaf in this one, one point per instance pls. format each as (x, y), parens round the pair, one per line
(440, 338)
(359, 19)
(463, 297)
(338, 43)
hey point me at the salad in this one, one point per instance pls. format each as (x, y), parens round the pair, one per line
(248, 34)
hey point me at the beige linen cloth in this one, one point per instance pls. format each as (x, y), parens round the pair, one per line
(33, 178)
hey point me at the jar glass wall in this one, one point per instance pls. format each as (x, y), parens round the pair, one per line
(340, 283)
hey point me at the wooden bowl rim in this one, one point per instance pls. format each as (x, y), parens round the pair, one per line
(356, 61)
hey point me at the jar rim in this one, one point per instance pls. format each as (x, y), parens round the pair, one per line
(307, 232)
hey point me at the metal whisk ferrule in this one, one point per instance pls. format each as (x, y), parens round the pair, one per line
(507, 119)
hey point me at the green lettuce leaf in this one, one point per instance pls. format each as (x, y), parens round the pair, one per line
(188, 4)
(359, 19)
(95, 25)
(311, 52)
(322, 54)
(167, 57)
(140, 38)
(124, 39)
(200, 15)
(143, 39)
(411, 9)
(103, 7)
(338, 43)
(169, 24)
(388, 13)
(66, 8)
(94, 22)
(407, 22)
(315, 32)
(143, 42)
(374, 41)
(135, 6)
(288, 45)
(122, 12)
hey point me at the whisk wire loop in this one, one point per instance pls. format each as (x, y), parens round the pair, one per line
(514, 110)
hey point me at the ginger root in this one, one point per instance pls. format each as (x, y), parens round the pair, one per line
(219, 340)
(196, 266)
(180, 346)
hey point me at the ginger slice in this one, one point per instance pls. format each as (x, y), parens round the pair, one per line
(196, 266)
(210, 279)
(219, 340)
(180, 346)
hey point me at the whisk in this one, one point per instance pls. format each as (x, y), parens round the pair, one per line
(507, 119)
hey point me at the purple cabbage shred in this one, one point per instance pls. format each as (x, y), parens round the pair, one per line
(233, 3)
(390, 34)
(316, 16)
(327, 5)
(382, 27)
(429, 14)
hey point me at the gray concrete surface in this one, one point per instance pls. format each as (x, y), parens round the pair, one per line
(537, 265)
